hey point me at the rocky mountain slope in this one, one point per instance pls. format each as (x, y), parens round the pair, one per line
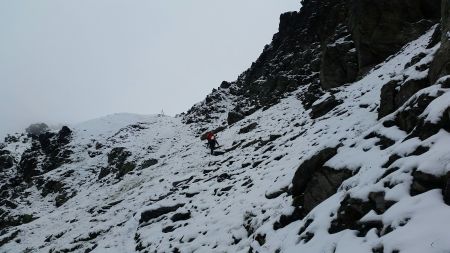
(335, 140)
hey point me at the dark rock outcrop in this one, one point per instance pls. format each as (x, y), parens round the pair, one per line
(307, 168)
(6, 160)
(381, 28)
(52, 186)
(322, 108)
(118, 162)
(325, 45)
(248, 128)
(425, 129)
(13, 221)
(234, 117)
(423, 182)
(441, 63)
(180, 216)
(28, 165)
(313, 182)
(339, 60)
(48, 151)
(395, 93)
(148, 163)
(155, 213)
(408, 119)
(352, 210)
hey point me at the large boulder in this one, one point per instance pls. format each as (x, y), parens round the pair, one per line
(313, 182)
(157, 212)
(325, 106)
(396, 92)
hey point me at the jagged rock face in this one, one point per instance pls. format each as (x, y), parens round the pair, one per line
(380, 28)
(325, 45)
(441, 63)
(339, 62)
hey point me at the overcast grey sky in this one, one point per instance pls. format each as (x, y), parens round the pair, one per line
(73, 60)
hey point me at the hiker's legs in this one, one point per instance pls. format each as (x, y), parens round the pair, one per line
(212, 145)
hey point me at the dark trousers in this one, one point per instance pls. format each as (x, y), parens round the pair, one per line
(212, 145)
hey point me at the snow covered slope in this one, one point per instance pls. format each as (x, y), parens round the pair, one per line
(136, 183)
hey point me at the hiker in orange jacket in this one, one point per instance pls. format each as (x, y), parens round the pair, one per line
(212, 141)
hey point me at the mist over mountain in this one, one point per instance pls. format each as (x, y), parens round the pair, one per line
(336, 139)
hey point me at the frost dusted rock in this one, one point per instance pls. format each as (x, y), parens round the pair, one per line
(248, 128)
(387, 98)
(339, 62)
(326, 44)
(28, 165)
(351, 211)
(408, 119)
(64, 135)
(54, 146)
(322, 108)
(234, 117)
(148, 163)
(423, 182)
(225, 85)
(313, 182)
(155, 213)
(425, 129)
(118, 162)
(6, 160)
(395, 93)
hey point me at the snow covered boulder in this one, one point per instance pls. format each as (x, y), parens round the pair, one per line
(395, 93)
(352, 210)
(423, 182)
(408, 118)
(313, 182)
(248, 128)
(151, 214)
(322, 107)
